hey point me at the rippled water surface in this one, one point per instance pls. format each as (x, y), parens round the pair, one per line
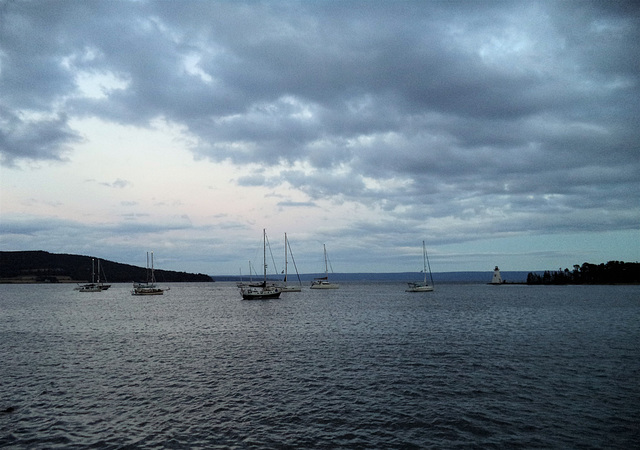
(366, 366)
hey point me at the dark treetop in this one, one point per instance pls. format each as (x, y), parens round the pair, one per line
(613, 272)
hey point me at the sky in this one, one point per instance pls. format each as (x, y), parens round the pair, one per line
(498, 132)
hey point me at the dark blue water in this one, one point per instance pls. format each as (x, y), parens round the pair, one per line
(366, 366)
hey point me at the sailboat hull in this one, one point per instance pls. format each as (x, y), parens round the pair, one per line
(291, 289)
(324, 285)
(260, 293)
(147, 291)
(419, 288)
(90, 288)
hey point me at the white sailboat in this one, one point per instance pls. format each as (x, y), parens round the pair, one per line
(289, 287)
(323, 282)
(149, 287)
(263, 290)
(423, 286)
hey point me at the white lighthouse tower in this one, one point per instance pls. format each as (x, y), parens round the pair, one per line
(497, 279)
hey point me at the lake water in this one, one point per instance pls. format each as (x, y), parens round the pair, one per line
(365, 366)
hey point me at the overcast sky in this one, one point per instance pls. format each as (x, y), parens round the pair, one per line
(500, 132)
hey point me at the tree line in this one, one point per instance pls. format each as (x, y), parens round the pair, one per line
(613, 272)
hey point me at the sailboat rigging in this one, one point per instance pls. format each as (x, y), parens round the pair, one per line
(261, 291)
(242, 283)
(149, 287)
(423, 286)
(323, 282)
(290, 287)
(96, 285)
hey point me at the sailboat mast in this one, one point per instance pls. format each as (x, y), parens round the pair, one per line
(326, 268)
(153, 277)
(264, 252)
(285, 257)
(424, 261)
(428, 264)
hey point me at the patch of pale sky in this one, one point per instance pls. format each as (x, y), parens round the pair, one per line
(149, 165)
(542, 251)
(192, 66)
(84, 55)
(384, 185)
(30, 116)
(99, 85)
(502, 49)
(163, 184)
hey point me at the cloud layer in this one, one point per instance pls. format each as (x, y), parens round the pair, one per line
(454, 121)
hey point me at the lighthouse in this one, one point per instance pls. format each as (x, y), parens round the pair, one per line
(497, 279)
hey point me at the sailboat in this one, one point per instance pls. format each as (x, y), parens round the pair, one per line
(289, 287)
(96, 285)
(149, 287)
(101, 285)
(323, 282)
(261, 291)
(423, 286)
(242, 283)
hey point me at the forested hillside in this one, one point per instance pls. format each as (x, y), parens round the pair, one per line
(41, 266)
(613, 272)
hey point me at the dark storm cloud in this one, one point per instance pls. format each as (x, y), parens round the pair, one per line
(521, 106)
(44, 138)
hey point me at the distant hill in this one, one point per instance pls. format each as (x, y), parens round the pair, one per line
(40, 266)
